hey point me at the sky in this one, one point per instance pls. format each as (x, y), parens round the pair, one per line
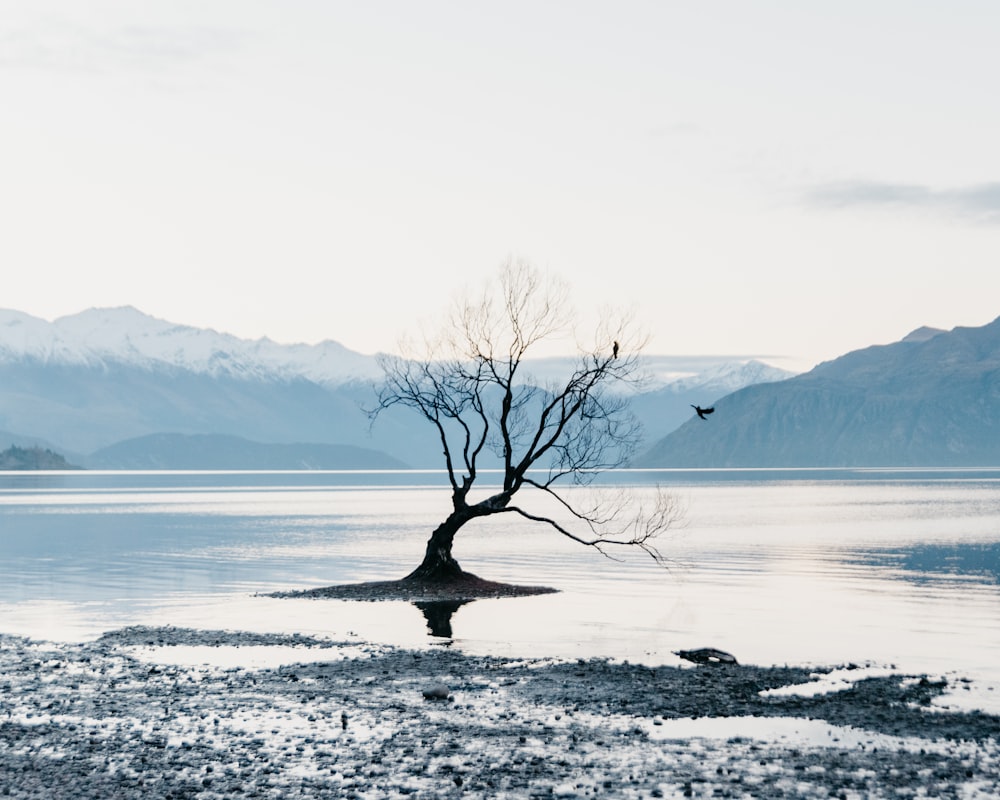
(781, 179)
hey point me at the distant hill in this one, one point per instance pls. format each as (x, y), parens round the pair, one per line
(32, 458)
(177, 451)
(932, 399)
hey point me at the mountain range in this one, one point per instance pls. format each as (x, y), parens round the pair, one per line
(118, 389)
(930, 399)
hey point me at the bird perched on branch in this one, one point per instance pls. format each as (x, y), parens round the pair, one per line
(702, 412)
(614, 351)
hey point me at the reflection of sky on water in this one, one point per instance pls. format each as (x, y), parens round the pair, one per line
(774, 571)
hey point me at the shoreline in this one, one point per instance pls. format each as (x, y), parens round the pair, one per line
(136, 714)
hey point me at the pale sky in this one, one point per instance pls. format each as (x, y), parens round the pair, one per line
(769, 178)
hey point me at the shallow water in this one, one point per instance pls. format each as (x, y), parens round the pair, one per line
(774, 566)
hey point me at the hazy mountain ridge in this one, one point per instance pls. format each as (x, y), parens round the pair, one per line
(84, 408)
(89, 381)
(931, 399)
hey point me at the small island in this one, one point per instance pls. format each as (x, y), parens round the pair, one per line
(32, 458)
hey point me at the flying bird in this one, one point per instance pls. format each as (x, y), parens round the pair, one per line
(702, 412)
(614, 351)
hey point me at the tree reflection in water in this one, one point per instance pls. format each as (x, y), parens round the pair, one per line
(438, 615)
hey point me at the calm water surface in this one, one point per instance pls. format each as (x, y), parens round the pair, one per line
(823, 566)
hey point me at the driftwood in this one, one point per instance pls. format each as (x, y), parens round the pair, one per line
(707, 655)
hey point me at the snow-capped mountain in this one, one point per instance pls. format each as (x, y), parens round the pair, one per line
(729, 377)
(720, 374)
(127, 337)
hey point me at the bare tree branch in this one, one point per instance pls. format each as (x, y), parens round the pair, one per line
(640, 530)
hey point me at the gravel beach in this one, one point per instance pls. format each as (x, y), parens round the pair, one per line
(178, 713)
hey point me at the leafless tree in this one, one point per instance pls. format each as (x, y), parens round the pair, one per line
(472, 384)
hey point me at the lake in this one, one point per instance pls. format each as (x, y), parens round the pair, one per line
(882, 567)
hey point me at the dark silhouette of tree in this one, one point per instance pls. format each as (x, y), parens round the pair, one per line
(438, 614)
(473, 385)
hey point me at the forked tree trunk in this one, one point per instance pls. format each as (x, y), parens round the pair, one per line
(438, 565)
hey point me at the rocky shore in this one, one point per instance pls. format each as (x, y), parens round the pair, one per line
(176, 713)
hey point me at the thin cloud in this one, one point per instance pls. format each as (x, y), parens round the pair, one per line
(677, 129)
(978, 202)
(170, 45)
(70, 48)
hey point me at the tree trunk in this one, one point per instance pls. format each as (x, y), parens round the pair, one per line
(438, 566)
